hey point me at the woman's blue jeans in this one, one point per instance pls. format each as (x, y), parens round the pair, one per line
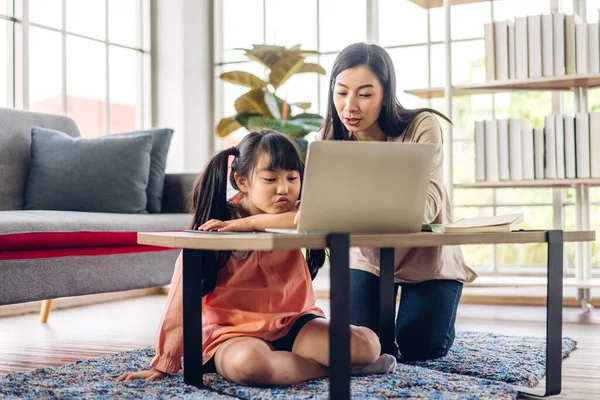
(426, 315)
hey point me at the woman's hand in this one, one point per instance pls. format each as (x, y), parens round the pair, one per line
(148, 375)
(234, 225)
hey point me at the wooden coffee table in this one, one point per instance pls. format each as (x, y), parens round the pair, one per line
(194, 246)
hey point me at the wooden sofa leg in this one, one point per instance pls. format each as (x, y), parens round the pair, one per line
(45, 311)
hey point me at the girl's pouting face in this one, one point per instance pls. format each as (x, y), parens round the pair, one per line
(269, 191)
(358, 97)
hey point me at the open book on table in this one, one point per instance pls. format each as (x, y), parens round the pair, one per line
(498, 223)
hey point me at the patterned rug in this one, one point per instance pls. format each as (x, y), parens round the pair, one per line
(479, 366)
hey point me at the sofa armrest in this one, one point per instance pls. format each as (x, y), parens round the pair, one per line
(176, 192)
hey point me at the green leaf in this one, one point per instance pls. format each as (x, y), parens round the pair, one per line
(252, 102)
(310, 67)
(273, 105)
(227, 126)
(255, 123)
(303, 105)
(285, 67)
(243, 78)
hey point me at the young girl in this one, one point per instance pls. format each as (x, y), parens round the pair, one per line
(261, 325)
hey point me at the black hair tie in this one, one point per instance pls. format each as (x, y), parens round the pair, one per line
(233, 151)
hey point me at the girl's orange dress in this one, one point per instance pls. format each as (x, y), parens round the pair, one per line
(259, 294)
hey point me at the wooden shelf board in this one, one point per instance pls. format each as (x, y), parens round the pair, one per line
(544, 83)
(440, 3)
(539, 183)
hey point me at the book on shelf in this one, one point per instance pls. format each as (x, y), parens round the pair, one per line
(571, 44)
(528, 151)
(550, 148)
(491, 151)
(512, 62)
(515, 153)
(558, 41)
(479, 151)
(593, 49)
(581, 48)
(582, 145)
(559, 129)
(595, 144)
(498, 223)
(521, 57)
(490, 52)
(570, 163)
(503, 160)
(538, 153)
(534, 40)
(501, 49)
(547, 45)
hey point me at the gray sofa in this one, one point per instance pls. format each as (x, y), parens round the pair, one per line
(47, 254)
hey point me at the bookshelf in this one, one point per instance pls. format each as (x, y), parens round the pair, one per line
(546, 83)
(440, 3)
(579, 85)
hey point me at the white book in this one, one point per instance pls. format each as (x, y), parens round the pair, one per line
(570, 44)
(547, 45)
(581, 48)
(490, 59)
(550, 148)
(479, 151)
(501, 45)
(570, 164)
(503, 162)
(582, 145)
(595, 144)
(521, 57)
(491, 151)
(558, 40)
(538, 153)
(593, 49)
(515, 154)
(559, 129)
(534, 40)
(512, 62)
(527, 149)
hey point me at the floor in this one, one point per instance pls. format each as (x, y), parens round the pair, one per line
(90, 331)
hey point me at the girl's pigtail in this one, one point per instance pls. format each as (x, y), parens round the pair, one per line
(315, 260)
(209, 201)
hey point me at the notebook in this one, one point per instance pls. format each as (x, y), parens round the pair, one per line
(499, 223)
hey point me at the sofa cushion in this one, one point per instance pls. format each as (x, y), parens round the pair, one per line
(28, 230)
(15, 150)
(161, 140)
(106, 174)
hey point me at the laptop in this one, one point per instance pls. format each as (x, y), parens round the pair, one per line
(364, 187)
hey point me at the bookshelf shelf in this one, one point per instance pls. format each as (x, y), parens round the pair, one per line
(545, 83)
(440, 3)
(540, 183)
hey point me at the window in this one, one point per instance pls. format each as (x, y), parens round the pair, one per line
(93, 66)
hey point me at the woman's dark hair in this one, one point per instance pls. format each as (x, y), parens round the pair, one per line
(394, 118)
(209, 195)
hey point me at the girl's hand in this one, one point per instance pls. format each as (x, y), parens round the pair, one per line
(149, 375)
(234, 225)
(297, 218)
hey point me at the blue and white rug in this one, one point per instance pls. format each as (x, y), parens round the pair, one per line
(479, 366)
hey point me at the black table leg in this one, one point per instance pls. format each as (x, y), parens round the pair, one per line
(192, 317)
(339, 329)
(554, 301)
(387, 302)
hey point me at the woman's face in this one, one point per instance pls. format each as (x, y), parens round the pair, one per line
(358, 97)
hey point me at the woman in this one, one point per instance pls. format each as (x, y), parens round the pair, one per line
(362, 105)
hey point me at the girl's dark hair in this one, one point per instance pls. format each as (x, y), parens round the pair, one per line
(394, 118)
(209, 195)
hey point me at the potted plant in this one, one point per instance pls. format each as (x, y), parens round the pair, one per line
(261, 107)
